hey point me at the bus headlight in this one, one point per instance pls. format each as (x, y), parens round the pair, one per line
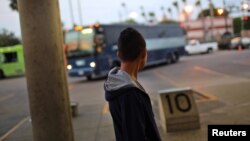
(69, 67)
(92, 64)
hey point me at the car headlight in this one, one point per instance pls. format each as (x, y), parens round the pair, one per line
(69, 67)
(92, 64)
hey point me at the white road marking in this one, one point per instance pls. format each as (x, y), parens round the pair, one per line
(209, 71)
(13, 129)
(6, 97)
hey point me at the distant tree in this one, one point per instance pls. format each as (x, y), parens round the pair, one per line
(13, 5)
(8, 39)
(130, 21)
(206, 12)
(176, 5)
(152, 17)
(237, 25)
(168, 22)
(164, 16)
(170, 12)
(124, 6)
(184, 2)
(143, 14)
(163, 10)
(151, 14)
(198, 4)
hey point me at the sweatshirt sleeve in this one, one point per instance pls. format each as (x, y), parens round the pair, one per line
(133, 119)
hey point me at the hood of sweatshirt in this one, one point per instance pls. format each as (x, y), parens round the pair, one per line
(118, 80)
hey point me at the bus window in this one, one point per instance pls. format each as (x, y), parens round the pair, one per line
(1, 58)
(10, 57)
(80, 43)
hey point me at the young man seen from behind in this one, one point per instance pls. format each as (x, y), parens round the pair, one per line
(129, 104)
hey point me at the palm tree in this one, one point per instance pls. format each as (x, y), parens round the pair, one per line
(71, 13)
(198, 5)
(164, 16)
(124, 6)
(13, 5)
(143, 14)
(170, 12)
(152, 16)
(184, 2)
(176, 5)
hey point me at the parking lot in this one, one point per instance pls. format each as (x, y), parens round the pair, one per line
(223, 79)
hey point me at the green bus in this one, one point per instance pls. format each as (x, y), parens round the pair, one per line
(11, 61)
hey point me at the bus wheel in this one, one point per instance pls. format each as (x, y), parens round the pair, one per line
(169, 59)
(1, 74)
(89, 77)
(174, 57)
(177, 56)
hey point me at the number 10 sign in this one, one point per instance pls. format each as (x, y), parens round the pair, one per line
(178, 110)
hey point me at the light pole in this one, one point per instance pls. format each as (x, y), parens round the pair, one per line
(124, 6)
(71, 13)
(188, 10)
(221, 11)
(80, 11)
(244, 8)
(211, 7)
(225, 16)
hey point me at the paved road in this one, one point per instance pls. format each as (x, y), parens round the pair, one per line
(222, 77)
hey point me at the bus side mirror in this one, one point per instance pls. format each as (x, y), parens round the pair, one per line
(99, 43)
(99, 40)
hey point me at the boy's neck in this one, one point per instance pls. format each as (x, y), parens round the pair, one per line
(131, 68)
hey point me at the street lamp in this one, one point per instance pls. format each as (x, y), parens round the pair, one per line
(220, 11)
(133, 15)
(188, 10)
(244, 8)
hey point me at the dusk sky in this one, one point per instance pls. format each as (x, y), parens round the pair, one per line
(104, 11)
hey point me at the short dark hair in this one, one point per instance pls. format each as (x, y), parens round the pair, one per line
(130, 44)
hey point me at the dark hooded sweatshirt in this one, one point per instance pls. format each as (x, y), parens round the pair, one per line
(130, 108)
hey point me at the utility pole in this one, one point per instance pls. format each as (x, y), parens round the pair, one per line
(225, 16)
(80, 12)
(45, 70)
(71, 13)
(211, 7)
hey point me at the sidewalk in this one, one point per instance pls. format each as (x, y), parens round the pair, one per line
(94, 122)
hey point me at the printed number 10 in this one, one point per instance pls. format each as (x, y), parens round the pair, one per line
(177, 103)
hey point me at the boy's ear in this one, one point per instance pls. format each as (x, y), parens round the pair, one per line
(118, 54)
(144, 53)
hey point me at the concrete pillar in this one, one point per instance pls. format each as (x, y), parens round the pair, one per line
(45, 70)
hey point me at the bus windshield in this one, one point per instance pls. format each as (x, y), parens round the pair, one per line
(80, 43)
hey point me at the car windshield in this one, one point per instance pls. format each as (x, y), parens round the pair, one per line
(235, 40)
(79, 43)
(192, 42)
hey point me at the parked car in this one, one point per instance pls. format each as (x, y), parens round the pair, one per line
(240, 42)
(195, 47)
(225, 41)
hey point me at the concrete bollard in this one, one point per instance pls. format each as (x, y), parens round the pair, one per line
(178, 110)
(74, 109)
